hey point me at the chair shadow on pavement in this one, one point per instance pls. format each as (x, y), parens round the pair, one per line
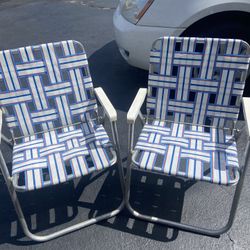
(54, 208)
(93, 195)
(154, 195)
(43, 209)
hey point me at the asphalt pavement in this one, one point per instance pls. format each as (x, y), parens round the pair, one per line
(90, 22)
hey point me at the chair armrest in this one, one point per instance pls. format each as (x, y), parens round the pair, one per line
(246, 111)
(136, 105)
(106, 104)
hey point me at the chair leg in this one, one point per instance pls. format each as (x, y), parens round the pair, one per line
(118, 153)
(51, 236)
(182, 226)
(7, 140)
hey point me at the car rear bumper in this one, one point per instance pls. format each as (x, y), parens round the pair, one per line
(135, 41)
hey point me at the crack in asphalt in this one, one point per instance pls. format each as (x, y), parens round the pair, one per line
(232, 240)
(92, 4)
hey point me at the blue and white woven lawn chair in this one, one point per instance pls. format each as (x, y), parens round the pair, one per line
(194, 93)
(50, 106)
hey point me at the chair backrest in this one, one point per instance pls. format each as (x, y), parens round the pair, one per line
(46, 86)
(197, 80)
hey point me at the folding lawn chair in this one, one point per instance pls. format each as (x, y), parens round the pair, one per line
(194, 93)
(50, 106)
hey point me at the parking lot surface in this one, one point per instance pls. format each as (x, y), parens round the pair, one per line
(90, 22)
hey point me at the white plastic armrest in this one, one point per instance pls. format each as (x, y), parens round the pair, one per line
(106, 104)
(136, 105)
(246, 111)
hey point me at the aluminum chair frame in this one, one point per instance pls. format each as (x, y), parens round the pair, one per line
(111, 114)
(134, 113)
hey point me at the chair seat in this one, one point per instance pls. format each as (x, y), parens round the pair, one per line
(60, 155)
(195, 152)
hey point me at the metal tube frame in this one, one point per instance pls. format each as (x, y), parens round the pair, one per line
(7, 140)
(42, 238)
(179, 225)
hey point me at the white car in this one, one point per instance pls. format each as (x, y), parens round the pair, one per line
(138, 23)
